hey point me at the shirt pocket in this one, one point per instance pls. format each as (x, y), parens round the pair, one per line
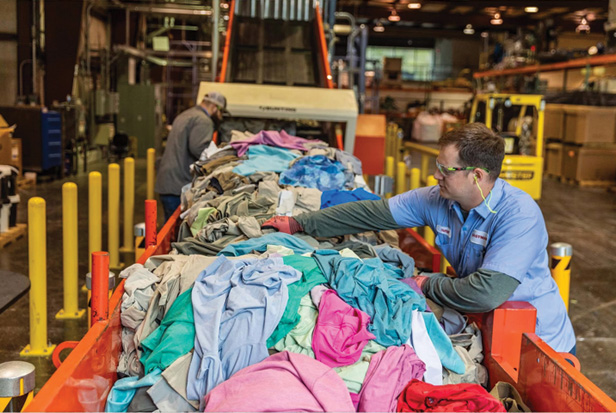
(442, 240)
(473, 255)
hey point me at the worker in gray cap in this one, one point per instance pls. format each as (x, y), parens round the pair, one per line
(190, 134)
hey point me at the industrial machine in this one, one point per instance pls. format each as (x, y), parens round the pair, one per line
(519, 120)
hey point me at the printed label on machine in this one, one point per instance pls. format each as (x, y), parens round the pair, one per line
(518, 175)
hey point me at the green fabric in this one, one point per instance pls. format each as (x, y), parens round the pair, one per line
(299, 340)
(201, 220)
(349, 218)
(481, 291)
(311, 277)
(355, 374)
(173, 338)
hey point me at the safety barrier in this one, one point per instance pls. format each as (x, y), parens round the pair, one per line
(151, 158)
(560, 266)
(70, 254)
(37, 261)
(113, 215)
(129, 205)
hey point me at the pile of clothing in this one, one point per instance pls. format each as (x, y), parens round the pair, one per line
(238, 318)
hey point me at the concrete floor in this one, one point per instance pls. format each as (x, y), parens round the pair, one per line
(583, 217)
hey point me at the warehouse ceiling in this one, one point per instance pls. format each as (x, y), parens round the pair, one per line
(565, 15)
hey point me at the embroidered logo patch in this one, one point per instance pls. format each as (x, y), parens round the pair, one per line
(443, 230)
(479, 237)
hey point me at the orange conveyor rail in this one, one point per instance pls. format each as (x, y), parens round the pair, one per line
(513, 353)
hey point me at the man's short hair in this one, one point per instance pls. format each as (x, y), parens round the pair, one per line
(477, 146)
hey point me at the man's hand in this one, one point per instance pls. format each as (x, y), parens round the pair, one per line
(420, 280)
(284, 224)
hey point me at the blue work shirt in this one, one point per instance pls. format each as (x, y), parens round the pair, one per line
(513, 241)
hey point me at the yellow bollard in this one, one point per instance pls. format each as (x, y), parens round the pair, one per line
(95, 215)
(425, 162)
(415, 178)
(389, 171)
(415, 182)
(401, 178)
(150, 173)
(37, 261)
(428, 233)
(113, 220)
(70, 256)
(444, 264)
(560, 265)
(129, 204)
(389, 166)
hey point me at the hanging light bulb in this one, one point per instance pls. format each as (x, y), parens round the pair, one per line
(394, 17)
(469, 29)
(414, 5)
(378, 27)
(531, 9)
(496, 20)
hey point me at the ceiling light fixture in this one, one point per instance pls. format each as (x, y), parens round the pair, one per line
(414, 5)
(496, 20)
(583, 27)
(485, 34)
(531, 9)
(394, 17)
(378, 27)
(469, 29)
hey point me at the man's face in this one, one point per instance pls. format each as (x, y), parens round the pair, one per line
(454, 185)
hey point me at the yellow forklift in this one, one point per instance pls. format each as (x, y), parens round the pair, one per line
(519, 120)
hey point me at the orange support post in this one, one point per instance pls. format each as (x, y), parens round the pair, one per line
(100, 287)
(150, 222)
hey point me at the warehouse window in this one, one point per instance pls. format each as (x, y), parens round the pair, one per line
(417, 64)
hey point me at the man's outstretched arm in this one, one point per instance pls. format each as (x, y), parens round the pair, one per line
(349, 218)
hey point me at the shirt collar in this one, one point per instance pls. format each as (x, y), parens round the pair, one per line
(205, 110)
(497, 193)
(482, 209)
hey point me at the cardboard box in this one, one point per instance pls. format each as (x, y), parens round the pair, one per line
(5, 141)
(589, 164)
(590, 124)
(16, 160)
(554, 159)
(554, 124)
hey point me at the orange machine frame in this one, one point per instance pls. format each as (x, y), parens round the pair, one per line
(322, 44)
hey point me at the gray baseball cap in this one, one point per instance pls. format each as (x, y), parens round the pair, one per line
(217, 99)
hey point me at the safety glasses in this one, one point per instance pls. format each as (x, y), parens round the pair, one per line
(449, 170)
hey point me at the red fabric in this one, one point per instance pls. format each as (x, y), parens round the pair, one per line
(418, 396)
(283, 224)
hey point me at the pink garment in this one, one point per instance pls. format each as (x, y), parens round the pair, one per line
(341, 332)
(389, 372)
(282, 382)
(271, 138)
(354, 399)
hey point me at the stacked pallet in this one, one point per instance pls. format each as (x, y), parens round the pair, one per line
(581, 144)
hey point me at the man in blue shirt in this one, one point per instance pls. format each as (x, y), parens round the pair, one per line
(493, 234)
(191, 133)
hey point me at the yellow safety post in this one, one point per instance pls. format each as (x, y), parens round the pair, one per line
(113, 217)
(428, 233)
(389, 171)
(70, 256)
(415, 182)
(415, 178)
(401, 178)
(150, 173)
(389, 166)
(37, 261)
(560, 265)
(444, 264)
(95, 214)
(129, 204)
(425, 162)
